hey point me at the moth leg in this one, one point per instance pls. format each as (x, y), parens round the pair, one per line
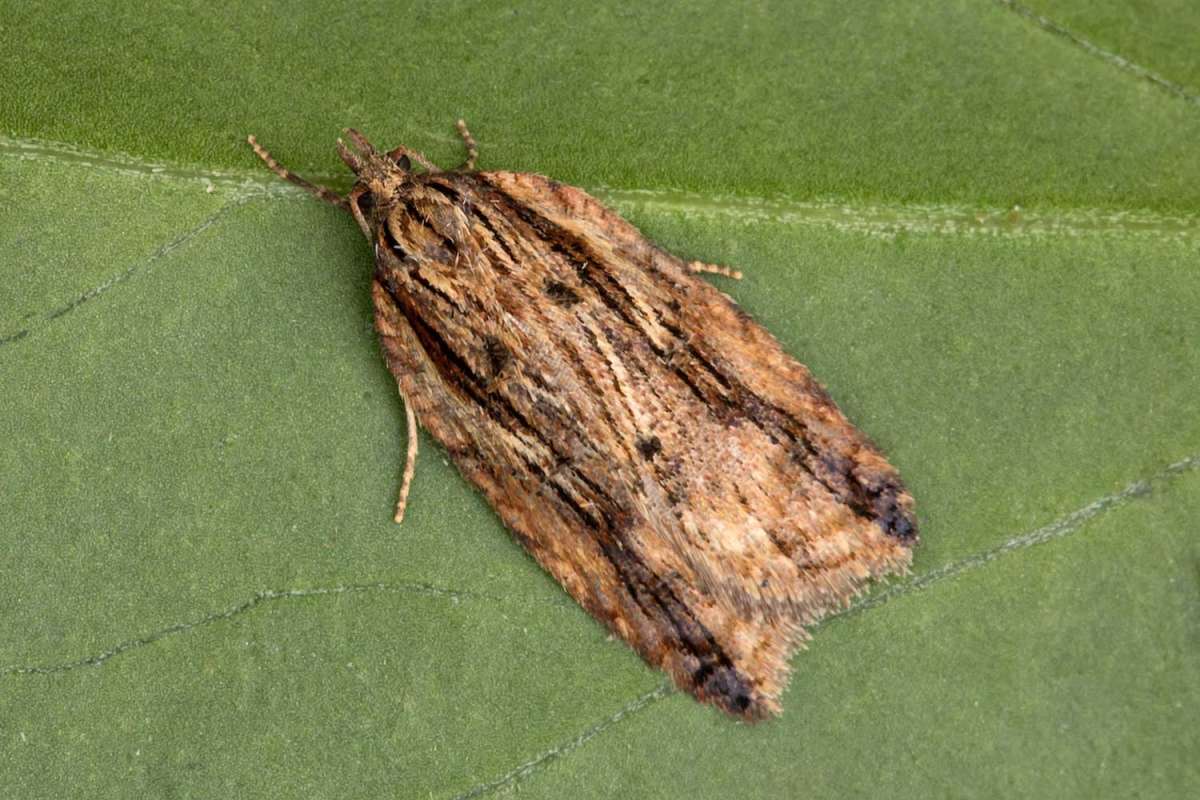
(410, 461)
(472, 147)
(696, 267)
(356, 212)
(328, 195)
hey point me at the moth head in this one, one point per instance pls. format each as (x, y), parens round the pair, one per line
(379, 174)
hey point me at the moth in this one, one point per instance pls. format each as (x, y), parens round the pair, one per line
(649, 444)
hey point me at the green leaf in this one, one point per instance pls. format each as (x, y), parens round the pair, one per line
(978, 228)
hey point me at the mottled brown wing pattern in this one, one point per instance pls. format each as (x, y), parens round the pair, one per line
(651, 446)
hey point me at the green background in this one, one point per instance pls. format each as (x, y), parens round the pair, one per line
(977, 222)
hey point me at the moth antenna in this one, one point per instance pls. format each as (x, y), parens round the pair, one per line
(360, 143)
(349, 158)
(410, 461)
(696, 267)
(328, 195)
(472, 147)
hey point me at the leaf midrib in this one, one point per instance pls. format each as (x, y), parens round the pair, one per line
(941, 219)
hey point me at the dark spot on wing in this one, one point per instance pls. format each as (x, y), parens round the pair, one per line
(497, 355)
(887, 504)
(894, 519)
(562, 294)
(649, 446)
(725, 686)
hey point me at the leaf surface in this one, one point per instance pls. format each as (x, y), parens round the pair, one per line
(980, 234)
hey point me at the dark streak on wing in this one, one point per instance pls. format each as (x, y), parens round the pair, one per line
(452, 194)
(422, 218)
(876, 502)
(414, 271)
(556, 240)
(715, 675)
(456, 373)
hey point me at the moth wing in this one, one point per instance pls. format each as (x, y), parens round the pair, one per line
(651, 446)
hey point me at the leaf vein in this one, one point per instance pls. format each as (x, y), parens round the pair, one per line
(1114, 58)
(124, 275)
(260, 598)
(1055, 530)
(1063, 526)
(539, 761)
(881, 219)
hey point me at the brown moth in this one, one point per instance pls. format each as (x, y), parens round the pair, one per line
(655, 449)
